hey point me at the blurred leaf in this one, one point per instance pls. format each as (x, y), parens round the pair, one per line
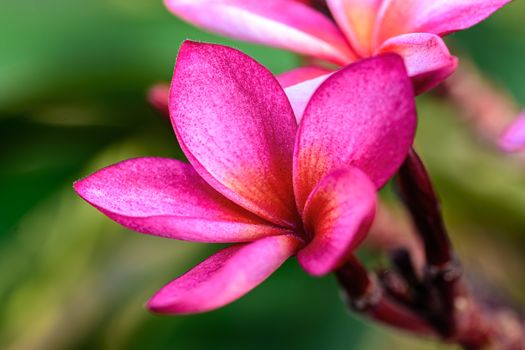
(78, 50)
(38, 159)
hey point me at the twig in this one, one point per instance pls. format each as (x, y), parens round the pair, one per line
(450, 307)
(437, 302)
(364, 294)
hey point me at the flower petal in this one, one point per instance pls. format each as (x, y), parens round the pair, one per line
(301, 74)
(224, 277)
(439, 17)
(338, 213)
(158, 97)
(166, 197)
(357, 20)
(364, 116)
(235, 125)
(426, 56)
(284, 24)
(300, 94)
(513, 139)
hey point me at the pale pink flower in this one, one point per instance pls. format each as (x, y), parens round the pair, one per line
(357, 29)
(255, 178)
(513, 138)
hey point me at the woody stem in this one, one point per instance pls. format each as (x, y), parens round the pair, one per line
(437, 301)
(365, 295)
(442, 297)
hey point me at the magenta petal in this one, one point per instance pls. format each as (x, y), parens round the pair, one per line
(300, 94)
(236, 126)
(439, 17)
(338, 214)
(426, 56)
(513, 139)
(301, 74)
(284, 24)
(364, 116)
(224, 277)
(166, 197)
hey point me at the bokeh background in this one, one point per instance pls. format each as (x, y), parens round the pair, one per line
(73, 82)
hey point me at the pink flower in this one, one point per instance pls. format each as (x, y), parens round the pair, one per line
(359, 29)
(256, 179)
(513, 138)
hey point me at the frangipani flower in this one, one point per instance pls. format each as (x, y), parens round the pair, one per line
(255, 178)
(359, 29)
(513, 138)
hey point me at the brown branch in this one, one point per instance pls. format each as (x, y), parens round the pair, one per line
(450, 307)
(365, 295)
(436, 302)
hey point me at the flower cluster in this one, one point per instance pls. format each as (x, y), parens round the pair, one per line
(282, 166)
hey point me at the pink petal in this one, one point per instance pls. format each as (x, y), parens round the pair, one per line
(439, 17)
(338, 213)
(301, 74)
(364, 116)
(357, 20)
(166, 197)
(513, 139)
(284, 24)
(300, 94)
(224, 277)
(235, 125)
(158, 97)
(426, 56)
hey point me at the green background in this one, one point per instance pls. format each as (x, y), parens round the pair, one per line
(73, 81)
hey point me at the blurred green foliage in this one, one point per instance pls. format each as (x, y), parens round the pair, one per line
(73, 77)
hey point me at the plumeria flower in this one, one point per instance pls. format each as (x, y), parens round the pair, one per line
(255, 178)
(513, 138)
(356, 29)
